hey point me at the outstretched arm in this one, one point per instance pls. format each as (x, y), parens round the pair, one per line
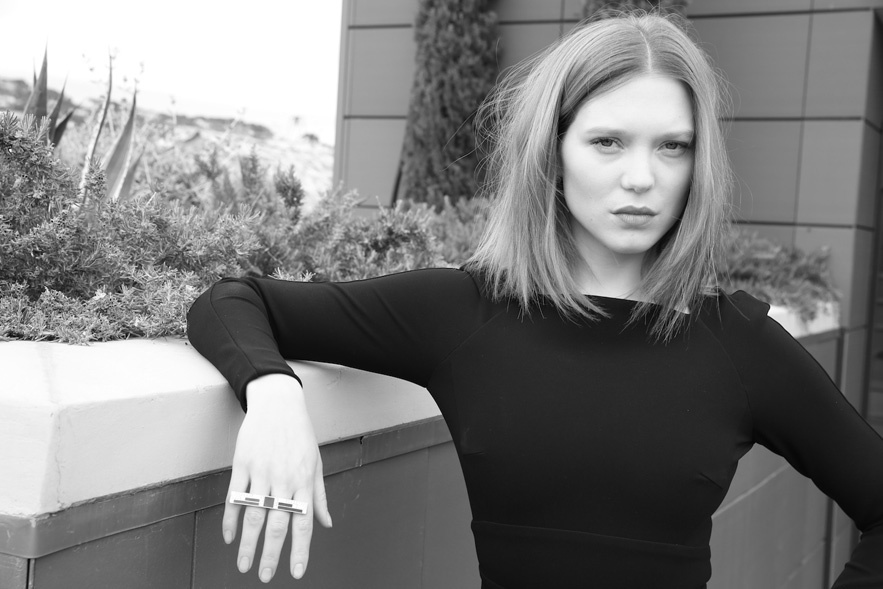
(400, 325)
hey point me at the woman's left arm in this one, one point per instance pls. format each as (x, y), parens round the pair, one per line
(799, 413)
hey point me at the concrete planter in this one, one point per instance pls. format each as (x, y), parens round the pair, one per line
(103, 439)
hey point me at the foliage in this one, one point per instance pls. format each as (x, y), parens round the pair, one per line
(592, 7)
(456, 226)
(131, 268)
(777, 274)
(455, 70)
(108, 270)
(38, 105)
(118, 162)
(334, 243)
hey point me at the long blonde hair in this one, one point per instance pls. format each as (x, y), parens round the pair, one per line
(527, 251)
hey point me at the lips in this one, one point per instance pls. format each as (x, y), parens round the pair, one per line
(635, 217)
(644, 211)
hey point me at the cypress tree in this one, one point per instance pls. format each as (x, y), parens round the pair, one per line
(590, 7)
(455, 70)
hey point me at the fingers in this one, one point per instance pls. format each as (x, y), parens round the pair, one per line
(301, 534)
(320, 500)
(252, 525)
(238, 482)
(274, 537)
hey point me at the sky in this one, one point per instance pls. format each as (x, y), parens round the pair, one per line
(265, 61)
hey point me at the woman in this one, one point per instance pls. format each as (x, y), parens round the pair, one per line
(586, 330)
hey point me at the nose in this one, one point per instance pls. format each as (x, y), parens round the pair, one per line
(637, 175)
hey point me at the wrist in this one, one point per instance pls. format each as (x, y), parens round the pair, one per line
(272, 390)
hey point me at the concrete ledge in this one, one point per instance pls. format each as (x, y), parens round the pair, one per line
(827, 318)
(84, 422)
(80, 422)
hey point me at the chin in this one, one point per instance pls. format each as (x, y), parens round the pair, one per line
(633, 249)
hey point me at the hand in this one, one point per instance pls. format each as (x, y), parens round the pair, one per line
(276, 454)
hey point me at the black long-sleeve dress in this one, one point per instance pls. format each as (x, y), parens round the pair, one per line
(593, 456)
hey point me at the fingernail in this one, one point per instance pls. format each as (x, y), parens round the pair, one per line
(298, 571)
(243, 564)
(228, 536)
(266, 575)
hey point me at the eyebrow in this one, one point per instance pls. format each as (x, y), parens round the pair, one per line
(677, 133)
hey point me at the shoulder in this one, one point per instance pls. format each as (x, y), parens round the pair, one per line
(733, 315)
(440, 282)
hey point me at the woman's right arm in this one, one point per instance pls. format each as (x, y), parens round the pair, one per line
(400, 325)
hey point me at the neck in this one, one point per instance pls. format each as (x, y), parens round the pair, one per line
(616, 276)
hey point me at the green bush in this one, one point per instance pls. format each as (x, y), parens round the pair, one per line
(117, 269)
(777, 274)
(455, 69)
(130, 268)
(591, 7)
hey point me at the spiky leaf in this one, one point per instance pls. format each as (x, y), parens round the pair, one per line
(117, 160)
(126, 188)
(37, 101)
(96, 132)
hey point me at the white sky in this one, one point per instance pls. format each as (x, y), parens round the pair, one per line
(266, 60)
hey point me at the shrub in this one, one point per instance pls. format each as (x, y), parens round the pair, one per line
(455, 70)
(104, 270)
(334, 243)
(591, 7)
(777, 274)
(131, 268)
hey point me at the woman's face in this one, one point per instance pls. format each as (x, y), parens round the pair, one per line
(626, 162)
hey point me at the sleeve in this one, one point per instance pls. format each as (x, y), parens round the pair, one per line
(799, 413)
(401, 325)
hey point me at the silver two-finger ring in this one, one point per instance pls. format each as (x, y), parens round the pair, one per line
(268, 502)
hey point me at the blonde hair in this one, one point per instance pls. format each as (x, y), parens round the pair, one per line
(527, 251)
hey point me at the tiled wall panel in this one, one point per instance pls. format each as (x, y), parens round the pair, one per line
(764, 58)
(159, 555)
(13, 572)
(842, 544)
(831, 187)
(377, 145)
(518, 41)
(376, 541)
(811, 574)
(753, 469)
(843, 536)
(708, 7)
(764, 155)
(837, 81)
(874, 100)
(855, 356)
(526, 10)
(841, 4)
(762, 540)
(381, 71)
(447, 525)
(381, 12)
(782, 234)
(826, 354)
(573, 9)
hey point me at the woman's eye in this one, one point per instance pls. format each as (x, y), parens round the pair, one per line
(605, 142)
(675, 146)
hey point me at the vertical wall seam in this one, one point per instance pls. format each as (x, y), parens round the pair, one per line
(193, 552)
(800, 134)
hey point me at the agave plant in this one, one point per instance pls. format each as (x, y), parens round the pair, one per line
(118, 163)
(37, 105)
